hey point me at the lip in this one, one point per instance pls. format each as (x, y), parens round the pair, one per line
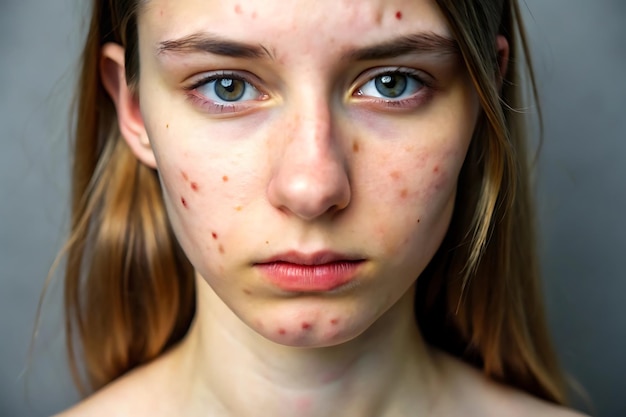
(315, 272)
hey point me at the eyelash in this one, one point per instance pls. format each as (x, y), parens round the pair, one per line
(416, 99)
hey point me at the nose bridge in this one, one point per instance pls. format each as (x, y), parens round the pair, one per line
(310, 177)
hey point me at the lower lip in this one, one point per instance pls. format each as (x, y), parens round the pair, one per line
(310, 278)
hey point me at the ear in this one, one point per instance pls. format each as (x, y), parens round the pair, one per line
(503, 51)
(113, 74)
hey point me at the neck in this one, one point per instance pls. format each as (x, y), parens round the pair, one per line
(237, 372)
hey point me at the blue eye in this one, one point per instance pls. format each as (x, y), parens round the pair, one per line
(226, 89)
(392, 85)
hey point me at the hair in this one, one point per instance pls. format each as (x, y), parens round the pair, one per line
(479, 298)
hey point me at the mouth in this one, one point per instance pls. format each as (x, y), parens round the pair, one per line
(316, 272)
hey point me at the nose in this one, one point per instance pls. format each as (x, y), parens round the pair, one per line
(310, 176)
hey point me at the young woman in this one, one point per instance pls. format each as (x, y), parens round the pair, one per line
(298, 208)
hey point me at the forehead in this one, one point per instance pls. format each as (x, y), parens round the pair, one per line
(291, 23)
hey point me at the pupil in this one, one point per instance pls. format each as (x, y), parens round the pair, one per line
(391, 85)
(229, 89)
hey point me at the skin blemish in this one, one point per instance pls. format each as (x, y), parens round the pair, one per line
(334, 322)
(185, 176)
(238, 208)
(394, 175)
(436, 169)
(419, 220)
(247, 292)
(267, 242)
(167, 126)
(221, 249)
(355, 147)
(225, 178)
(306, 326)
(399, 15)
(253, 15)
(404, 193)
(237, 9)
(282, 331)
(184, 202)
(194, 186)
(215, 236)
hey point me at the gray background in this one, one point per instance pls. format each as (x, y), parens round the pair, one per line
(580, 54)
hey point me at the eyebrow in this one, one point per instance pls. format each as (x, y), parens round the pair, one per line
(426, 42)
(209, 43)
(204, 42)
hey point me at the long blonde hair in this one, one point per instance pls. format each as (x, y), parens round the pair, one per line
(129, 288)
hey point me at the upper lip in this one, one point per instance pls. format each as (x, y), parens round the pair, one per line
(314, 258)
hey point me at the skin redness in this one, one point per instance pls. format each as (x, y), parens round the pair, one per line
(309, 171)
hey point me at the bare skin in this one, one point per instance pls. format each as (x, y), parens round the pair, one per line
(314, 156)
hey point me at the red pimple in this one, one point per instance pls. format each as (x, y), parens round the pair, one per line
(237, 9)
(184, 202)
(334, 322)
(306, 326)
(404, 193)
(225, 178)
(436, 169)
(194, 186)
(399, 15)
(395, 175)
(282, 331)
(214, 235)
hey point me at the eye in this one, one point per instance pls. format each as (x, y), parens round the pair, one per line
(392, 85)
(226, 89)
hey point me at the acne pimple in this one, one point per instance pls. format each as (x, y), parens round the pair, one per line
(221, 249)
(194, 186)
(436, 168)
(399, 15)
(334, 322)
(282, 331)
(306, 326)
(225, 178)
(394, 175)
(184, 202)
(404, 193)
(215, 236)
(237, 9)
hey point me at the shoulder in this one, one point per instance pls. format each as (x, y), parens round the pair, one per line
(480, 396)
(142, 392)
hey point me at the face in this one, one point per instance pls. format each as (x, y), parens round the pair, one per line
(308, 152)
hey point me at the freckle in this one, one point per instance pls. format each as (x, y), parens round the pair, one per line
(334, 322)
(306, 326)
(184, 202)
(214, 235)
(399, 15)
(282, 331)
(238, 208)
(225, 178)
(194, 186)
(395, 175)
(247, 292)
(267, 242)
(404, 193)
(238, 9)
(185, 176)
(355, 147)
(167, 126)
(221, 249)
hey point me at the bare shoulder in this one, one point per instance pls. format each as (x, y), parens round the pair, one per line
(142, 392)
(478, 395)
